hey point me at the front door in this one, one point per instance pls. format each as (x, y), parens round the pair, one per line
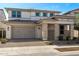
(61, 29)
(50, 32)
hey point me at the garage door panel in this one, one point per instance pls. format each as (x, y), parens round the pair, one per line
(23, 32)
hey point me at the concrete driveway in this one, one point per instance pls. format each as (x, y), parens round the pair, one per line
(26, 48)
(24, 42)
(33, 48)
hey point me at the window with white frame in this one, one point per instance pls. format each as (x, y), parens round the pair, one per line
(16, 14)
(37, 14)
(51, 14)
(45, 14)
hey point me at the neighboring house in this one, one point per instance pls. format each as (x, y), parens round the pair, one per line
(35, 24)
(75, 13)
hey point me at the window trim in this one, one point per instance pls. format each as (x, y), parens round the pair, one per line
(45, 14)
(38, 14)
(51, 14)
(13, 14)
(16, 14)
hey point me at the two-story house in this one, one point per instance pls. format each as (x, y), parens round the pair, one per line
(35, 24)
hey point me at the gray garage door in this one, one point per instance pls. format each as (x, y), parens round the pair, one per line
(24, 32)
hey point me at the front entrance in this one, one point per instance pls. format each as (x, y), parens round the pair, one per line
(61, 28)
(3, 34)
(50, 32)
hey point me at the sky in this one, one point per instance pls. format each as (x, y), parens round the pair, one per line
(63, 7)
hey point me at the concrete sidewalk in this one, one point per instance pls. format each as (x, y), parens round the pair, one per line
(35, 51)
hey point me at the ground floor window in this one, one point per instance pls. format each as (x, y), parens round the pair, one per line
(4, 34)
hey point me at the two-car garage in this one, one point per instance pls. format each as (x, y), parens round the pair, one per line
(25, 31)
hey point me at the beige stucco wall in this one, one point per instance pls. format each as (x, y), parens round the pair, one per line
(59, 21)
(75, 33)
(38, 31)
(6, 28)
(71, 14)
(8, 32)
(26, 15)
(44, 31)
(56, 33)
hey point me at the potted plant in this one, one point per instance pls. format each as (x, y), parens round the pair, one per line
(68, 38)
(3, 41)
(64, 38)
(50, 43)
(75, 38)
(60, 38)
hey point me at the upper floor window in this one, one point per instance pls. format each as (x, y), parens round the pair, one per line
(37, 14)
(45, 14)
(51, 14)
(13, 13)
(16, 14)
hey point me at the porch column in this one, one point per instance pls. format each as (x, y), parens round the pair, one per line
(2, 34)
(66, 30)
(56, 31)
(71, 31)
(45, 31)
(8, 32)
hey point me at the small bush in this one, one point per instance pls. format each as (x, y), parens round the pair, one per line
(60, 38)
(68, 38)
(3, 41)
(75, 38)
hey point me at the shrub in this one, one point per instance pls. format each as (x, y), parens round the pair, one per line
(68, 38)
(75, 38)
(60, 38)
(3, 41)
